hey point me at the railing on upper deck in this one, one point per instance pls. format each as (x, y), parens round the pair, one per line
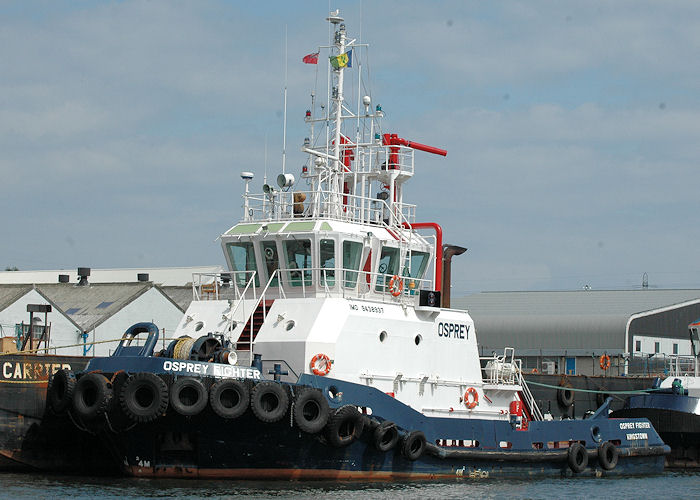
(300, 282)
(507, 370)
(682, 366)
(309, 282)
(281, 205)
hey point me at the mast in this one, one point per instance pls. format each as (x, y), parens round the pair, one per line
(337, 99)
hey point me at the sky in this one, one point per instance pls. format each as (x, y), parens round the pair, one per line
(572, 130)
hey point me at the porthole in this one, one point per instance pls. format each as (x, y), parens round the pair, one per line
(198, 326)
(418, 339)
(382, 336)
(290, 324)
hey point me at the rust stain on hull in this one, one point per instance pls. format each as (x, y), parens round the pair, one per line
(284, 474)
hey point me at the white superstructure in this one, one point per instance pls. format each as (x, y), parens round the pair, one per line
(334, 279)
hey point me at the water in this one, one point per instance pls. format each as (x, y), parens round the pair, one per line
(670, 485)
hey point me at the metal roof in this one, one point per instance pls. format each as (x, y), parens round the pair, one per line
(89, 306)
(170, 276)
(180, 295)
(10, 293)
(585, 320)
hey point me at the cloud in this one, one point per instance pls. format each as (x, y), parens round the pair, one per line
(572, 131)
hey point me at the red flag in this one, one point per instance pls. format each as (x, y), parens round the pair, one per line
(311, 58)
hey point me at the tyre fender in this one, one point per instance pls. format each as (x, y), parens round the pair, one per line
(344, 426)
(608, 455)
(413, 445)
(269, 401)
(577, 458)
(60, 390)
(229, 398)
(188, 396)
(311, 411)
(144, 397)
(385, 436)
(92, 396)
(565, 396)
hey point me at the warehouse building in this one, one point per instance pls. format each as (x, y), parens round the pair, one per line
(569, 332)
(84, 319)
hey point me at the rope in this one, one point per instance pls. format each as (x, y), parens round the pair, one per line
(638, 391)
(35, 351)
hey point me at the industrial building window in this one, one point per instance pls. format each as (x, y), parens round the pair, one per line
(656, 347)
(638, 346)
(675, 348)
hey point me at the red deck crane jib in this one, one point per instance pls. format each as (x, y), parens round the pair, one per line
(394, 141)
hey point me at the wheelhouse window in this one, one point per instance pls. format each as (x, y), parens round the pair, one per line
(298, 253)
(327, 261)
(271, 260)
(418, 262)
(242, 257)
(388, 267)
(352, 255)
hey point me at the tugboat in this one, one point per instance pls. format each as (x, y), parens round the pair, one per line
(673, 406)
(325, 353)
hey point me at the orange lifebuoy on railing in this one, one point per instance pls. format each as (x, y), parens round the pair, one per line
(534, 370)
(395, 285)
(605, 361)
(471, 398)
(320, 364)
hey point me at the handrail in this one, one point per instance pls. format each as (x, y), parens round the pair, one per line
(324, 204)
(315, 280)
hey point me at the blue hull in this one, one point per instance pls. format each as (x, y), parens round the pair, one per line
(204, 447)
(207, 446)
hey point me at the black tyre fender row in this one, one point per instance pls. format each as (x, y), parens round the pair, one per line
(144, 397)
(346, 424)
(577, 456)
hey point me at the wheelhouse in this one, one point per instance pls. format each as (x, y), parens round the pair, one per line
(327, 257)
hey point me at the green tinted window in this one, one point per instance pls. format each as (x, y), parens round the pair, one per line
(352, 254)
(242, 259)
(271, 260)
(418, 263)
(388, 266)
(298, 253)
(327, 261)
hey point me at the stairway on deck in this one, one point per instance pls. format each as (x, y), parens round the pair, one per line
(253, 325)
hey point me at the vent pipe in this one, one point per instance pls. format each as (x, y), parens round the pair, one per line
(448, 251)
(83, 273)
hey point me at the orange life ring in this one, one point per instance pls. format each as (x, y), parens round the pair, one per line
(320, 364)
(395, 291)
(472, 402)
(534, 370)
(605, 361)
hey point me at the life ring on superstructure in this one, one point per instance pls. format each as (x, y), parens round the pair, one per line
(396, 290)
(605, 361)
(473, 401)
(320, 364)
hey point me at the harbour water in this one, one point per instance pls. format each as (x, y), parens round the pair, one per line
(670, 485)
